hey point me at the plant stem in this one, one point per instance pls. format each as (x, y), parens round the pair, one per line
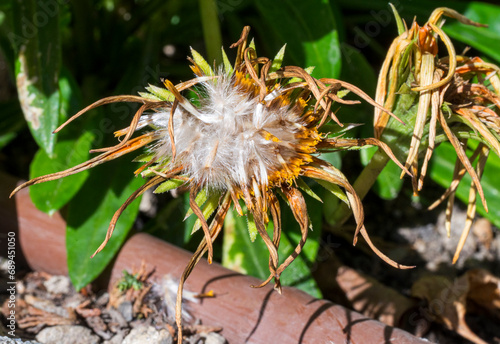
(211, 30)
(362, 185)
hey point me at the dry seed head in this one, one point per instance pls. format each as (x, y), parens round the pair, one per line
(235, 138)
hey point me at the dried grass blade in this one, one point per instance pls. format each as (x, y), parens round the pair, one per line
(215, 228)
(471, 207)
(197, 211)
(463, 158)
(104, 101)
(426, 78)
(132, 145)
(299, 210)
(435, 101)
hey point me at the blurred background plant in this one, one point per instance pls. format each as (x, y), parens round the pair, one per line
(59, 56)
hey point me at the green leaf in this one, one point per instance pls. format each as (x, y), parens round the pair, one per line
(158, 93)
(304, 187)
(202, 63)
(334, 189)
(441, 171)
(388, 183)
(357, 70)
(200, 199)
(298, 274)
(239, 253)
(89, 214)
(252, 258)
(483, 39)
(252, 227)
(399, 21)
(169, 185)
(38, 58)
(312, 23)
(228, 68)
(207, 209)
(52, 196)
(278, 60)
(72, 149)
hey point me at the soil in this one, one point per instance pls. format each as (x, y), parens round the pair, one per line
(44, 301)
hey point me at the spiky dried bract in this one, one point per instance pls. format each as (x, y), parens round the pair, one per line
(458, 99)
(252, 131)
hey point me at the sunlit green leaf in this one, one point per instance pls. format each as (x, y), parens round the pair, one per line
(37, 67)
(89, 214)
(311, 23)
(478, 37)
(202, 63)
(51, 196)
(207, 209)
(169, 185)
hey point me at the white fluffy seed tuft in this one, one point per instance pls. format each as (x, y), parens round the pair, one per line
(227, 143)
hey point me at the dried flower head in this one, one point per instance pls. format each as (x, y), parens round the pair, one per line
(253, 131)
(460, 94)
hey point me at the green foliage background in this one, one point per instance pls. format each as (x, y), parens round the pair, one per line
(59, 56)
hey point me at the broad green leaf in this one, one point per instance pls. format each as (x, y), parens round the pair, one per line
(239, 253)
(298, 274)
(483, 39)
(357, 70)
(52, 196)
(252, 258)
(398, 137)
(382, 16)
(37, 47)
(441, 171)
(72, 149)
(334, 158)
(168, 223)
(312, 23)
(89, 214)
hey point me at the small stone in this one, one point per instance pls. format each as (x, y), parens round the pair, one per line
(116, 321)
(148, 334)
(126, 309)
(102, 300)
(214, 338)
(67, 334)
(117, 339)
(7, 340)
(58, 285)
